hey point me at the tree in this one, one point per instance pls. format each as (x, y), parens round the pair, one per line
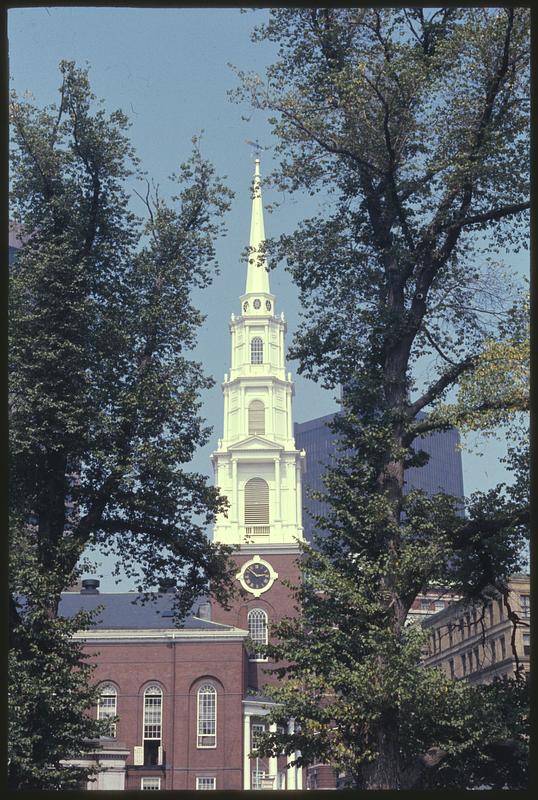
(415, 124)
(104, 399)
(50, 688)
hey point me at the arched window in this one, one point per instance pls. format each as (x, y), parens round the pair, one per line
(107, 706)
(207, 716)
(256, 417)
(153, 713)
(257, 507)
(256, 350)
(257, 630)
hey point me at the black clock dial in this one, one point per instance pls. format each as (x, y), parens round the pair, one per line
(257, 576)
(268, 305)
(257, 304)
(245, 305)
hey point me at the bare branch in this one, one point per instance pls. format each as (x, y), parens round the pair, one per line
(436, 389)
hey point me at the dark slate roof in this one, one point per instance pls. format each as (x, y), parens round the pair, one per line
(123, 611)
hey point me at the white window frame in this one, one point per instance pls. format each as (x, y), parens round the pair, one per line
(261, 636)
(256, 418)
(210, 690)
(256, 728)
(145, 784)
(525, 604)
(107, 711)
(256, 350)
(153, 690)
(200, 778)
(256, 505)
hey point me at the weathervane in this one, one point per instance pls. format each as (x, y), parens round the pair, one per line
(256, 145)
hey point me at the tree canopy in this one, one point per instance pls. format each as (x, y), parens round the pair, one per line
(414, 125)
(104, 402)
(104, 396)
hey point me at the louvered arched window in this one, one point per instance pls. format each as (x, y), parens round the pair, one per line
(257, 507)
(257, 629)
(107, 706)
(207, 716)
(256, 350)
(256, 417)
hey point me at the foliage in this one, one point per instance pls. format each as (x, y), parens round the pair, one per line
(104, 399)
(414, 123)
(50, 691)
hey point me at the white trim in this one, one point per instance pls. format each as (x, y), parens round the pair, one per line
(206, 778)
(162, 635)
(199, 735)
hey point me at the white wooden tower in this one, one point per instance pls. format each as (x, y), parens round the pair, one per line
(257, 465)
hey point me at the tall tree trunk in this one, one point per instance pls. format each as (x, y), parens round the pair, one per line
(384, 771)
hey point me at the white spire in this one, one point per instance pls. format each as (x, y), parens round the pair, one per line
(257, 273)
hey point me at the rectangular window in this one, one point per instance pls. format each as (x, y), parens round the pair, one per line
(439, 639)
(470, 661)
(205, 783)
(503, 648)
(501, 607)
(526, 644)
(464, 664)
(424, 604)
(476, 659)
(525, 602)
(493, 644)
(439, 605)
(150, 784)
(450, 634)
(207, 716)
(256, 730)
(490, 612)
(460, 624)
(467, 625)
(451, 667)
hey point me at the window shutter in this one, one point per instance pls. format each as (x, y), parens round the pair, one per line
(256, 502)
(138, 756)
(256, 417)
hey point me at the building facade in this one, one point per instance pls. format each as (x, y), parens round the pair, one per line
(477, 642)
(442, 473)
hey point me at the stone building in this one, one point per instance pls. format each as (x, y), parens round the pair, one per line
(474, 642)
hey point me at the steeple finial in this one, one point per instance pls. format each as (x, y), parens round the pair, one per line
(257, 272)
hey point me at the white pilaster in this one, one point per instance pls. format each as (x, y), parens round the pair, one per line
(273, 762)
(278, 491)
(292, 771)
(235, 499)
(246, 751)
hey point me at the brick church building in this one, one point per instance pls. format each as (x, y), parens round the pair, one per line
(189, 701)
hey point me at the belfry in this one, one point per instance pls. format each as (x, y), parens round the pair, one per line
(257, 465)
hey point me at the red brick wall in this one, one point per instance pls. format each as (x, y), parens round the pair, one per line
(180, 668)
(276, 601)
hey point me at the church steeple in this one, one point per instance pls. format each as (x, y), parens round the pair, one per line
(257, 465)
(257, 272)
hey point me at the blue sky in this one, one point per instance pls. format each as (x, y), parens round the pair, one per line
(167, 69)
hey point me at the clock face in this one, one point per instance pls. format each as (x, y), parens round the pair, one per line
(268, 305)
(257, 304)
(257, 576)
(245, 306)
